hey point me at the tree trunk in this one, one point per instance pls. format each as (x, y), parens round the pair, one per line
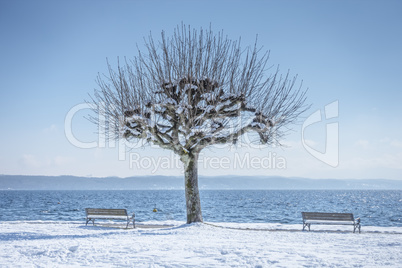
(193, 202)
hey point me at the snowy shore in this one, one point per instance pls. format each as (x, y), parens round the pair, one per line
(72, 244)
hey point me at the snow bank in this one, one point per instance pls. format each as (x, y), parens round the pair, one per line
(73, 244)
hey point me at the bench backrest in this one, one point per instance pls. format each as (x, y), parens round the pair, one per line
(327, 216)
(106, 212)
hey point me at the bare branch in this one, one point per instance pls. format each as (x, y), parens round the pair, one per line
(187, 90)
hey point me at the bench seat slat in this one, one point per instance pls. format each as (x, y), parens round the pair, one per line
(107, 217)
(97, 211)
(325, 216)
(330, 222)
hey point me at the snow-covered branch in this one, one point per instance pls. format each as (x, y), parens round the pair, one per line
(194, 90)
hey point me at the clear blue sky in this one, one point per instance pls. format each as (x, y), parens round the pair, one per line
(345, 51)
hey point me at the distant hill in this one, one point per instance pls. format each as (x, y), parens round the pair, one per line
(20, 182)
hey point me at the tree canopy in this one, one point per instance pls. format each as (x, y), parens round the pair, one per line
(196, 89)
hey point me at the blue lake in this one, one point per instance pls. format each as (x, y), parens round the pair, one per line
(375, 208)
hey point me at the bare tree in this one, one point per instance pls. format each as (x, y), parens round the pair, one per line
(193, 90)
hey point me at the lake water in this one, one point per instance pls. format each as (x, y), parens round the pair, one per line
(375, 208)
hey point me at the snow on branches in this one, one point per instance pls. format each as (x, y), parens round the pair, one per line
(191, 114)
(193, 90)
(197, 89)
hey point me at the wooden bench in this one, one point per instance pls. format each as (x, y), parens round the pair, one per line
(330, 219)
(108, 214)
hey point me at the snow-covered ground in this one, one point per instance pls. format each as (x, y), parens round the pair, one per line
(61, 244)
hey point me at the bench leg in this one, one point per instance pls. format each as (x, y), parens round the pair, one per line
(128, 223)
(356, 227)
(306, 225)
(88, 220)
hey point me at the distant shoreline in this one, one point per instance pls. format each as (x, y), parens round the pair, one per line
(25, 182)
